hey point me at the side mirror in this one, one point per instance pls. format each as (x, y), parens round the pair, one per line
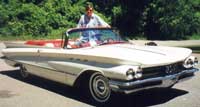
(151, 44)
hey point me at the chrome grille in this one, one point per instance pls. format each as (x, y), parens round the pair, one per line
(162, 70)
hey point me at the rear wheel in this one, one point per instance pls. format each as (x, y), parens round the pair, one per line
(170, 87)
(99, 87)
(23, 71)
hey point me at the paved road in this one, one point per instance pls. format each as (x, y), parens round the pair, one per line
(38, 92)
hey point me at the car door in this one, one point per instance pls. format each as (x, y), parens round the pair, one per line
(45, 70)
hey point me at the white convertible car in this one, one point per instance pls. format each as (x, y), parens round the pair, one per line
(98, 60)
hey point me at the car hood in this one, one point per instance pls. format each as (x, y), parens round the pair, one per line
(134, 54)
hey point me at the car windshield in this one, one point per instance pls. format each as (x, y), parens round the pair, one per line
(88, 37)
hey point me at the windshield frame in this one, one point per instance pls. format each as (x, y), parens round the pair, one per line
(72, 30)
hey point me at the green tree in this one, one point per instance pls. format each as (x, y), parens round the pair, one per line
(154, 19)
(171, 19)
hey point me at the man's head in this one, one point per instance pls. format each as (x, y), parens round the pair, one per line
(89, 10)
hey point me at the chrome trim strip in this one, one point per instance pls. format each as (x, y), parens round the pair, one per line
(166, 81)
(43, 67)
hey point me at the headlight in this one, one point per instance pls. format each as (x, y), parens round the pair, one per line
(138, 73)
(196, 61)
(190, 62)
(130, 71)
(135, 73)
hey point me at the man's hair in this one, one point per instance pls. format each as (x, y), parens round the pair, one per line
(88, 6)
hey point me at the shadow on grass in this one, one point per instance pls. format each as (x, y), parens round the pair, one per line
(139, 99)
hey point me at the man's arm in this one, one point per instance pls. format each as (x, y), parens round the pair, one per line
(81, 22)
(101, 22)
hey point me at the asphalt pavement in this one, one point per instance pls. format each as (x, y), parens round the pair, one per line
(39, 92)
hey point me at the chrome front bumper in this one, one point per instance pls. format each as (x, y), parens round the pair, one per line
(158, 82)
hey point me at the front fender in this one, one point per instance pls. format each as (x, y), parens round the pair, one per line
(74, 70)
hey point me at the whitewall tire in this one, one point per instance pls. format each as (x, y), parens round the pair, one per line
(99, 87)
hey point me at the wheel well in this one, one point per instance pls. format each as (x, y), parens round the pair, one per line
(83, 77)
(17, 64)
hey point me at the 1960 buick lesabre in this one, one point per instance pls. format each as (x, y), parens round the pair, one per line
(98, 60)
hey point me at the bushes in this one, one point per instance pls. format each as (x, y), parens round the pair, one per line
(175, 19)
(154, 19)
(24, 19)
(38, 17)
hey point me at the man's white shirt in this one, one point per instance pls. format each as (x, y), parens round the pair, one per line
(93, 21)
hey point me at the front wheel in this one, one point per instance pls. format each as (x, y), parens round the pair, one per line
(99, 87)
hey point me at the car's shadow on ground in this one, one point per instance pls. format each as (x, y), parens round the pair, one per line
(139, 99)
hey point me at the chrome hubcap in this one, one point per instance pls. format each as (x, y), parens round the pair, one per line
(99, 88)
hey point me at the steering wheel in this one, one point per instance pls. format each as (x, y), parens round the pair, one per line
(108, 40)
